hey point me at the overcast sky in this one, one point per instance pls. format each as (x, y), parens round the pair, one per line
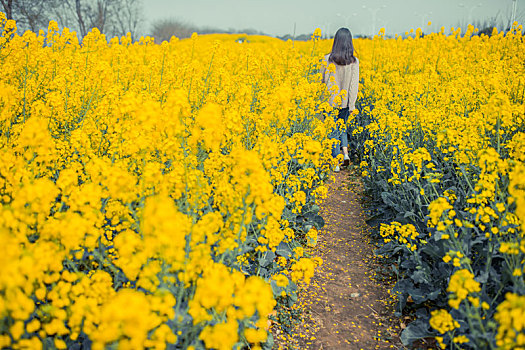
(277, 17)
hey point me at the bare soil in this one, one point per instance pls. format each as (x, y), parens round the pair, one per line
(346, 305)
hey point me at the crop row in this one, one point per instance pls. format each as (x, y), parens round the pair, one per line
(441, 134)
(155, 195)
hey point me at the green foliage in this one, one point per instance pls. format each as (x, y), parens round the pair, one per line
(459, 238)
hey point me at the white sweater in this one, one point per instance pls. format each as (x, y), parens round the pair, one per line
(346, 78)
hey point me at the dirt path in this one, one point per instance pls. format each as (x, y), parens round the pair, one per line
(344, 306)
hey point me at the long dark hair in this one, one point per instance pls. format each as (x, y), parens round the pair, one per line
(343, 48)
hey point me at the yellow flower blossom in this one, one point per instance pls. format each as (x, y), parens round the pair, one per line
(510, 316)
(442, 321)
(462, 284)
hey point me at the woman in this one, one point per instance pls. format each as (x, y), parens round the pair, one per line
(341, 73)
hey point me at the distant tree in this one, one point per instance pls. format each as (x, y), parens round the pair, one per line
(128, 19)
(164, 29)
(211, 30)
(111, 17)
(300, 37)
(89, 14)
(304, 37)
(33, 14)
(249, 31)
(8, 8)
(30, 14)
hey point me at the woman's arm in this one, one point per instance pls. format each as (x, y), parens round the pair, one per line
(324, 64)
(323, 72)
(354, 86)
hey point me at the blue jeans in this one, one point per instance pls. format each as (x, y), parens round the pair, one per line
(337, 133)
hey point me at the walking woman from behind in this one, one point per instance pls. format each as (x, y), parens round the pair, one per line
(341, 73)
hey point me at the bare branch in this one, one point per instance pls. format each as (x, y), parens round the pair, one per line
(111, 17)
(80, 18)
(8, 8)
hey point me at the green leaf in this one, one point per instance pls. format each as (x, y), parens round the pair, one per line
(268, 345)
(267, 259)
(414, 331)
(275, 288)
(284, 250)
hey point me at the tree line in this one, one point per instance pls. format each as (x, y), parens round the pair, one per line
(111, 17)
